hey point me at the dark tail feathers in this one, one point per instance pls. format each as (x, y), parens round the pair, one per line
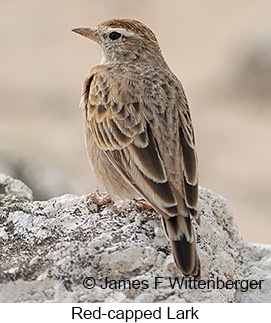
(180, 232)
(186, 258)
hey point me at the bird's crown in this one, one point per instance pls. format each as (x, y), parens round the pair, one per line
(131, 25)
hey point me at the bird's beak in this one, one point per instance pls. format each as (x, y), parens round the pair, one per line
(90, 33)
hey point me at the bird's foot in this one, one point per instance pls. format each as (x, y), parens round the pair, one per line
(100, 198)
(144, 205)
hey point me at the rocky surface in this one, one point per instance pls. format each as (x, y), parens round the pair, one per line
(50, 249)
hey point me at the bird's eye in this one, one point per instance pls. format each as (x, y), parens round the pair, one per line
(114, 35)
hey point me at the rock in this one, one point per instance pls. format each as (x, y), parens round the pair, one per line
(57, 250)
(44, 181)
(10, 186)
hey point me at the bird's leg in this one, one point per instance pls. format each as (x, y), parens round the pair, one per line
(100, 198)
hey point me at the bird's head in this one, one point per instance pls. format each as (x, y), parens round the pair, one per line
(123, 40)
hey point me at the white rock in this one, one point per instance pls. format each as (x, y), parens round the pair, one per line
(48, 248)
(11, 186)
(158, 232)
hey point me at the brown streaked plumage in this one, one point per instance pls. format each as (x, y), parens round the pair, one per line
(138, 131)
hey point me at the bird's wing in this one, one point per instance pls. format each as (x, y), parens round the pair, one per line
(171, 122)
(123, 127)
(188, 155)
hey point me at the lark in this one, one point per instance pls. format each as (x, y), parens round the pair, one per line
(138, 131)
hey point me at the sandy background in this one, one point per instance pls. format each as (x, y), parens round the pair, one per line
(221, 51)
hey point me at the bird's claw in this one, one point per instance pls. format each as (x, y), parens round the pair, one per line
(100, 198)
(144, 205)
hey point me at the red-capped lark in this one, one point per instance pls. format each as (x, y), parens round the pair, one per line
(138, 131)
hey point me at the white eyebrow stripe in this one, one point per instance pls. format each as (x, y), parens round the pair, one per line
(122, 31)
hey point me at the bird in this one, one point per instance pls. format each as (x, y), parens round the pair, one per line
(138, 130)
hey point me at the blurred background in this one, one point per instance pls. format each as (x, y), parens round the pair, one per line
(220, 50)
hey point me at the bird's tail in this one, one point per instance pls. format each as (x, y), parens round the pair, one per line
(180, 232)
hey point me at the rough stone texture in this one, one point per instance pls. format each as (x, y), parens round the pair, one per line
(49, 248)
(10, 186)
